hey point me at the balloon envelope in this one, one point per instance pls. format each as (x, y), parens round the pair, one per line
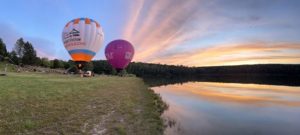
(82, 37)
(119, 53)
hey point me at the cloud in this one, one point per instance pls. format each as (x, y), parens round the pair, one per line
(251, 94)
(9, 35)
(162, 31)
(156, 25)
(135, 13)
(44, 47)
(235, 54)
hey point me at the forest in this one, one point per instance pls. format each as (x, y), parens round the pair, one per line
(24, 53)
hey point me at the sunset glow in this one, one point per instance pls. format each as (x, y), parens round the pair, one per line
(239, 93)
(177, 32)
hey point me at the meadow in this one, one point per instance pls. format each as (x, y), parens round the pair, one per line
(41, 103)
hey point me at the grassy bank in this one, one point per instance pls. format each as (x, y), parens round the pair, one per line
(61, 104)
(9, 67)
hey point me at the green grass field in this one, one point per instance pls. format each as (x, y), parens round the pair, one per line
(36, 103)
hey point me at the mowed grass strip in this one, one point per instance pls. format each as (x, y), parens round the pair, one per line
(32, 103)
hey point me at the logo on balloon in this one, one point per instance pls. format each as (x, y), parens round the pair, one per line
(109, 55)
(73, 35)
(128, 55)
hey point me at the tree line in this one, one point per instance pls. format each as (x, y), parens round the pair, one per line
(147, 70)
(24, 53)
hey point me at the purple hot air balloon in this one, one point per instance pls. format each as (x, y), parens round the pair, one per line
(119, 53)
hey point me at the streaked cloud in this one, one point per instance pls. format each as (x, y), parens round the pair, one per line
(135, 13)
(250, 94)
(158, 24)
(206, 33)
(184, 32)
(235, 54)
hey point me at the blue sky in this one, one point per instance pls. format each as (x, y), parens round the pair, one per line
(41, 22)
(193, 33)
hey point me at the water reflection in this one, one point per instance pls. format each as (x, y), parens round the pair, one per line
(245, 79)
(230, 108)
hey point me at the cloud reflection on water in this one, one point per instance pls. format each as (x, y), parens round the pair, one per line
(230, 108)
(241, 93)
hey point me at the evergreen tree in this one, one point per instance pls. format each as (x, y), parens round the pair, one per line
(3, 51)
(19, 47)
(13, 56)
(57, 64)
(29, 54)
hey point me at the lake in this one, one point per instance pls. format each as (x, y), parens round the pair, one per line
(216, 108)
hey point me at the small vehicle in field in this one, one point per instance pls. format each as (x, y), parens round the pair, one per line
(88, 74)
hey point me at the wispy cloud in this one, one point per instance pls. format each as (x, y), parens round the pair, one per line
(188, 32)
(234, 54)
(44, 47)
(157, 28)
(9, 35)
(135, 13)
(159, 24)
(251, 94)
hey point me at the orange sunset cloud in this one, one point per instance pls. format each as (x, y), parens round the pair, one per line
(185, 33)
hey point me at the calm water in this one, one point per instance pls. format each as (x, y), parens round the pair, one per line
(211, 108)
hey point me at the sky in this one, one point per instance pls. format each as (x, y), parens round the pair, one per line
(177, 32)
